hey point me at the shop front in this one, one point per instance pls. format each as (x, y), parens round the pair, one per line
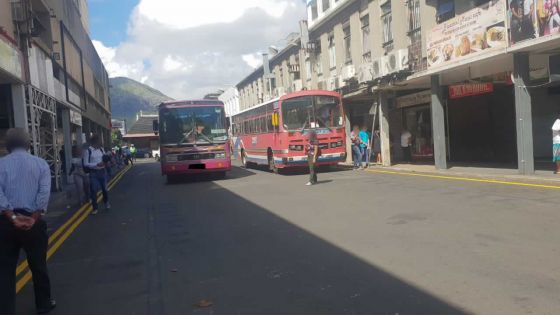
(413, 114)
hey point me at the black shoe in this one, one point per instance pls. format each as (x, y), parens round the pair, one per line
(47, 309)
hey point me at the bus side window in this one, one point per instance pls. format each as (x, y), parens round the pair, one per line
(269, 123)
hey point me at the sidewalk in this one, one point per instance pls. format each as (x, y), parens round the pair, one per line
(489, 173)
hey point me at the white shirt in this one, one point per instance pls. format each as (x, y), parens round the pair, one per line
(96, 157)
(527, 7)
(556, 132)
(405, 137)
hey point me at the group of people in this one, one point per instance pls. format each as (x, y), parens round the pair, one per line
(364, 146)
(21, 210)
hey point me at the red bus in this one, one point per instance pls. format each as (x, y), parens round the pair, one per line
(193, 138)
(275, 133)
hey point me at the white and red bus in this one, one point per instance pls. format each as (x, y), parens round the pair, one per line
(275, 133)
(193, 138)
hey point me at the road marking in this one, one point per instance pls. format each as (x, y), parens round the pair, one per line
(61, 229)
(467, 179)
(81, 214)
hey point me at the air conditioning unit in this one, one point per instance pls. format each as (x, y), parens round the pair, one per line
(297, 85)
(377, 68)
(366, 73)
(402, 59)
(340, 83)
(390, 63)
(322, 85)
(348, 72)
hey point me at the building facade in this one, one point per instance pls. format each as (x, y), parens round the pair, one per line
(52, 81)
(473, 83)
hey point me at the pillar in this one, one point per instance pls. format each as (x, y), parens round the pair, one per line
(384, 130)
(349, 153)
(19, 107)
(67, 137)
(523, 113)
(438, 124)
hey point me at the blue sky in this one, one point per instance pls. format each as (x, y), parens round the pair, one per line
(109, 19)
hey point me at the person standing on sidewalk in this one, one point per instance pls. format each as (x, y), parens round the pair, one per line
(95, 165)
(356, 147)
(556, 145)
(133, 152)
(406, 145)
(312, 156)
(364, 139)
(25, 186)
(377, 147)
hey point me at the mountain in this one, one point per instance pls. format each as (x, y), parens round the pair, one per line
(129, 97)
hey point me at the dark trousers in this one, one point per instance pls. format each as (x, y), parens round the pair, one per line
(312, 171)
(35, 243)
(97, 181)
(407, 154)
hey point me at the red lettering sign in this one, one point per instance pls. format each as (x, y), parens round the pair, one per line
(464, 90)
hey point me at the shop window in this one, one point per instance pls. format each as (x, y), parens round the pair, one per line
(445, 10)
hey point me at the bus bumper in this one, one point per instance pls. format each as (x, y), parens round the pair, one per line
(326, 159)
(196, 167)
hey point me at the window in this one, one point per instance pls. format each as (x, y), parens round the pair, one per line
(445, 10)
(332, 51)
(413, 15)
(387, 20)
(314, 11)
(318, 62)
(326, 5)
(366, 46)
(347, 44)
(308, 69)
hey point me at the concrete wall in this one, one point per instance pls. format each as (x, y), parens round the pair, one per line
(6, 18)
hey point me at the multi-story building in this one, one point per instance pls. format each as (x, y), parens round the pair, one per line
(230, 98)
(53, 82)
(473, 83)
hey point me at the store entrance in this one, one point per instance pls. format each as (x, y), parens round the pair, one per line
(482, 128)
(418, 121)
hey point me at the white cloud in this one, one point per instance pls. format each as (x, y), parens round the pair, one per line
(189, 48)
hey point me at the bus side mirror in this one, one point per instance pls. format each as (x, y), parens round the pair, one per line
(155, 126)
(275, 120)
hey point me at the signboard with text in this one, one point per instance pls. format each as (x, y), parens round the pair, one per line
(464, 90)
(424, 97)
(10, 59)
(476, 32)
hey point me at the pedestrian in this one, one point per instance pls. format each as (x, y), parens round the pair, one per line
(406, 145)
(556, 145)
(25, 186)
(377, 147)
(133, 152)
(95, 165)
(356, 147)
(313, 153)
(365, 146)
(81, 179)
(128, 156)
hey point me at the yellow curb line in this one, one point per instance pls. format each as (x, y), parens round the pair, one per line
(466, 179)
(83, 213)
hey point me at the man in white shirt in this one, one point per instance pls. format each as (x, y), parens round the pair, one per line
(406, 145)
(96, 166)
(556, 144)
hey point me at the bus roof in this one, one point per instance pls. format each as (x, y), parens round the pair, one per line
(292, 95)
(192, 103)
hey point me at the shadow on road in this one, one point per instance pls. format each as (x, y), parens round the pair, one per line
(220, 247)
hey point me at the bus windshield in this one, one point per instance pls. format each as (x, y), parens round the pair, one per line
(192, 125)
(312, 112)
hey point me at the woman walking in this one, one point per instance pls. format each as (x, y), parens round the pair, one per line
(556, 145)
(81, 179)
(312, 156)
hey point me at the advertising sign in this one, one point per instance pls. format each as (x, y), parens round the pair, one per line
(419, 98)
(478, 31)
(464, 90)
(530, 19)
(10, 59)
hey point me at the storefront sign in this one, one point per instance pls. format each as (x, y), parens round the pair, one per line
(530, 19)
(424, 97)
(464, 90)
(10, 59)
(75, 118)
(478, 31)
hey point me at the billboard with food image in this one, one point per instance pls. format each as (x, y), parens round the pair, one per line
(475, 32)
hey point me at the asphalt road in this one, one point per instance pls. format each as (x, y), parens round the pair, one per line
(357, 243)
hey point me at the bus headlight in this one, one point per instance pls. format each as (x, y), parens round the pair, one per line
(220, 156)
